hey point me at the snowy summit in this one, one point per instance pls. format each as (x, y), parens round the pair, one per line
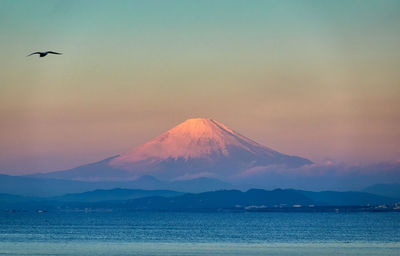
(196, 147)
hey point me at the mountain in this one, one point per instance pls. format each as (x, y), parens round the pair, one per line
(390, 190)
(346, 198)
(45, 187)
(133, 200)
(10, 201)
(223, 199)
(195, 148)
(29, 186)
(227, 199)
(114, 195)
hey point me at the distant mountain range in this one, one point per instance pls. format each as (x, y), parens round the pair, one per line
(198, 147)
(117, 194)
(227, 199)
(100, 195)
(125, 199)
(30, 186)
(52, 188)
(389, 190)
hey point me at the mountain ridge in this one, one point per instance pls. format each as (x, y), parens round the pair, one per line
(122, 199)
(390, 190)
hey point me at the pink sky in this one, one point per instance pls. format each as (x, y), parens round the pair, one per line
(318, 81)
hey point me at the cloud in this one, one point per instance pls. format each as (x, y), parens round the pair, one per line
(188, 176)
(325, 176)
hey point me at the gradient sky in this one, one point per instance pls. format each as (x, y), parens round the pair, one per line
(319, 79)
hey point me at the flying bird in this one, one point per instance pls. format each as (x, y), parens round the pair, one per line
(42, 54)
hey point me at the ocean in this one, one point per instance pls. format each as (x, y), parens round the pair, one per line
(199, 233)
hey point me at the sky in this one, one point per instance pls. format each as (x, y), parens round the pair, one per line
(318, 79)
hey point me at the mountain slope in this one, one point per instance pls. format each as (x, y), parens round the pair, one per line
(346, 198)
(195, 148)
(390, 190)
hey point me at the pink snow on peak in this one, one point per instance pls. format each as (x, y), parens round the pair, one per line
(195, 138)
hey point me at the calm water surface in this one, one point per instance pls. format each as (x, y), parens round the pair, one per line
(166, 233)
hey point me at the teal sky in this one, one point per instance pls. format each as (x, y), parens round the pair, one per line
(319, 79)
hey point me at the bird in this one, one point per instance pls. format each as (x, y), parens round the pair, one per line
(42, 54)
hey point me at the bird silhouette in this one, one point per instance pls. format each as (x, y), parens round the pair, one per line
(42, 54)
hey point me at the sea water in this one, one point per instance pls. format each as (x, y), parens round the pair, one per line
(195, 233)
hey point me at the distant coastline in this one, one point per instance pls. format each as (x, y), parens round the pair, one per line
(253, 200)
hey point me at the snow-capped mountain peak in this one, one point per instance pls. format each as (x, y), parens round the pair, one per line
(195, 148)
(197, 138)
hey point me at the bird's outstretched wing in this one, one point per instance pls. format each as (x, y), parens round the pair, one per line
(54, 52)
(33, 54)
